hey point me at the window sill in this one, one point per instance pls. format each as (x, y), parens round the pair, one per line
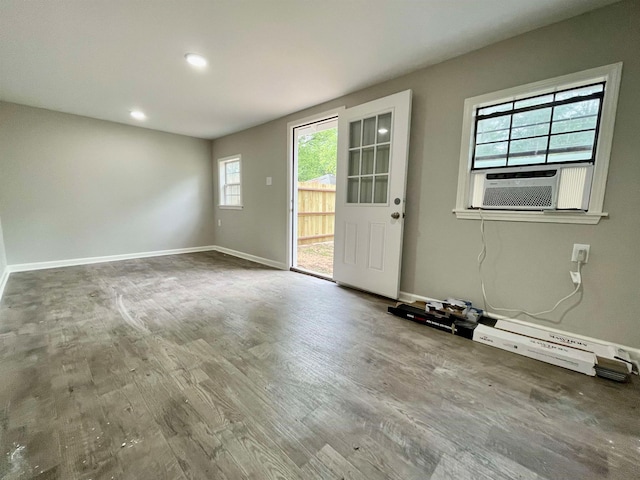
(230, 207)
(536, 217)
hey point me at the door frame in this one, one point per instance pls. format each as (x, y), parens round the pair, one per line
(292, 206)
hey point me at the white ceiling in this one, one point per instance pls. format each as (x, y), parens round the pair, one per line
(267, 58)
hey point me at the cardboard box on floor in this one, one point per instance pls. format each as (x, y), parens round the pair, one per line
(567, 357)
(605, 354)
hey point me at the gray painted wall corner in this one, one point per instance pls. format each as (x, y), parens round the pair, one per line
(75, 187)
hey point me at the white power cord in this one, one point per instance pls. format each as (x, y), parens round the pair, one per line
(481, 257)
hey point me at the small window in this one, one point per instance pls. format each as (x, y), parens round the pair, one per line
(229, 174)
(556, 134)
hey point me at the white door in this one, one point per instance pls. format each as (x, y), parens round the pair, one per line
(373, 144)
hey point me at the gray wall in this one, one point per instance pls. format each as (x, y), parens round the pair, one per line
(3, 257)
(527, 264)
(260, 227)
(74, 187)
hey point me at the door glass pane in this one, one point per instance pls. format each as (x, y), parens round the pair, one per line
(367, 161)
(369, 134)
(382, 159)
(366, 189)
(352, 190)
(384, 127)
(381, 187)
(354, 163)
(354, 134)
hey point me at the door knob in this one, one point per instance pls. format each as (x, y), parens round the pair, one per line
(395, 215)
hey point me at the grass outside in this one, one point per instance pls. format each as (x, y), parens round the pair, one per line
(316, 258)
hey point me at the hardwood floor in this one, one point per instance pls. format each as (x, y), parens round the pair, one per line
(203, 366)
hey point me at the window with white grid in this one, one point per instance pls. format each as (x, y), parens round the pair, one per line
(230, 182)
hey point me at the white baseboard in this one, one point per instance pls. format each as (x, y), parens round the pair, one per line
(25, 267)
(252, 258)
(412, 297)
(633, 352)
(3, 281)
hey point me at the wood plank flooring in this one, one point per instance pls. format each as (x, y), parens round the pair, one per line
(203, 366)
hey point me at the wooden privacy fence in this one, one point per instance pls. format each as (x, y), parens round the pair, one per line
(316, 212)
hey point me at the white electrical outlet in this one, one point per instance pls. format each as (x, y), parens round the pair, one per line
(219, 222)
(580, 252)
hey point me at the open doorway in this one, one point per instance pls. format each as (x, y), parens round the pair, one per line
(315, 150)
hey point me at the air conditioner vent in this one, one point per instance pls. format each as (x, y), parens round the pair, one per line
(540, 196)
(521, 189)
(563, 187)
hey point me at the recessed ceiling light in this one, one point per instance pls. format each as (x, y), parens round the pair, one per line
(196, 60)
(138, 115)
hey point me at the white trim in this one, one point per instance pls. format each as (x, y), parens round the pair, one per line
(3, 281)
(633, 352)
(252, 258)
(539, 217)
(231, 207)
(412, 297)
(613, 75)
(26, 267)
(609, 73)
(292, 225)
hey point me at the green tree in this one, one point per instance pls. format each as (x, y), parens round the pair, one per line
(317, 154)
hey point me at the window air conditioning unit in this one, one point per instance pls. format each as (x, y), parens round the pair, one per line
(548, 187)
